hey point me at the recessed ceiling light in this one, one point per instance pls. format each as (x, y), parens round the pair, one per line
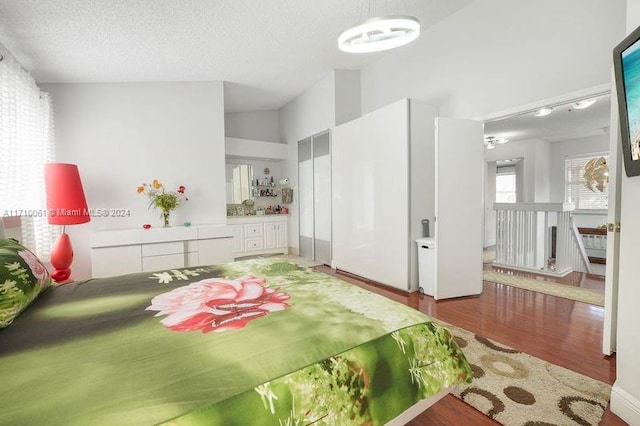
(543, 112)
(584, 103)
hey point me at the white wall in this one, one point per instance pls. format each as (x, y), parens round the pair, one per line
(541, 184)
(497, 54)
(625, 398)
(534, 185)
(256, 125)
(123, 134)
(250, 148)
(489, 234)
(348, 93)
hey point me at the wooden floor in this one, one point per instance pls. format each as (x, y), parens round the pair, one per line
(560, 331)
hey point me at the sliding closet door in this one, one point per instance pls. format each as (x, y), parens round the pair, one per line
(322, 197)
(305, 185)
(371, 196)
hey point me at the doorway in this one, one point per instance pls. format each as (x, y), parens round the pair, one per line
(577, 133)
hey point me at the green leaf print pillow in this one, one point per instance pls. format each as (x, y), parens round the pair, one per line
(22, 277)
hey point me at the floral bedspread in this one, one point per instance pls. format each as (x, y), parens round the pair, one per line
(260, 342)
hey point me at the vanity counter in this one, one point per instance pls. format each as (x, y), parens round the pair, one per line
(236, 220)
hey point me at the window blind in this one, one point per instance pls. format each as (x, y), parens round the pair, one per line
(575, 189)
(26, 144)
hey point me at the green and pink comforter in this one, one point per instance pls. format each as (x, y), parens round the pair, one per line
(260, 342)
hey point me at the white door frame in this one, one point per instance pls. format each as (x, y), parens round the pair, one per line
(613, 215)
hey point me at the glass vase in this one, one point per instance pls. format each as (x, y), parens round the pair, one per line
(165, 218)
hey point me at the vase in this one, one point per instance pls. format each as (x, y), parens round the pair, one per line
(165, 218)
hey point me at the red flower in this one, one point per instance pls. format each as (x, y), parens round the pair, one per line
(217, 304)
(181, 189)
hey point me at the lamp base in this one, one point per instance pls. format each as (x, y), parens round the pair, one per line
(60, 275)
(61, 258)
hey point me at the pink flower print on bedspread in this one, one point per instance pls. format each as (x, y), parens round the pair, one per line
(217, 304)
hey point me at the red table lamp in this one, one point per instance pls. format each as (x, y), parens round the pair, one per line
(66, 206)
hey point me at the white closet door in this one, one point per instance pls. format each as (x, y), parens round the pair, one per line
(322, 197)
(305, 189)
(371, 196)
(459, 200)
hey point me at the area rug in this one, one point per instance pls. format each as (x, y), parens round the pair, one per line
(514, 388)
(586, 295)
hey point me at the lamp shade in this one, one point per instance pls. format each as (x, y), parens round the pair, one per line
(66, 203)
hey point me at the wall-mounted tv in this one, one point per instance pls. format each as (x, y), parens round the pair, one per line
(626, 64)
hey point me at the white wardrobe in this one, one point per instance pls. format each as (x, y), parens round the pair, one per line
(394, 167)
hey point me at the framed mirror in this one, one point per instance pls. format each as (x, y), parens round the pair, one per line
(238, 182)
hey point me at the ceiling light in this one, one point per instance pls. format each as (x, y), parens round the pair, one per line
(490, 144)
(543, 112)
(494, 140)
(379, 33)
(584, 104)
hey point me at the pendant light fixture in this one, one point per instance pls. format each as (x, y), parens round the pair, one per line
(379, 33)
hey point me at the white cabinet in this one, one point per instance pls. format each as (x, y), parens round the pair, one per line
(120, 252)
(275, 235)
(270, 230)
(260, 235)
(238, 238)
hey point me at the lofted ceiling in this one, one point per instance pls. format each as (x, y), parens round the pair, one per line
(564, 123)
(266, 51)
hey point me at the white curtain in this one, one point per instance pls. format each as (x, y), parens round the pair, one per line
(26, 144)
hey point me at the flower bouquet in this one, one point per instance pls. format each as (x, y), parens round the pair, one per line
(166, 201)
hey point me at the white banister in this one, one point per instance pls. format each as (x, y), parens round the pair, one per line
(523, 238)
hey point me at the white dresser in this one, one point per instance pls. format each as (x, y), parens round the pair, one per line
(259, 234)
(117, 252)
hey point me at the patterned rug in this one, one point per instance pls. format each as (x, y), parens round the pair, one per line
(514, 388)
(586, 295)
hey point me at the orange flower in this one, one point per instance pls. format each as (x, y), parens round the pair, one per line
(140, 189)
(156, 184)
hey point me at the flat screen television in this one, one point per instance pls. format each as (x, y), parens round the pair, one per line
(626, 64)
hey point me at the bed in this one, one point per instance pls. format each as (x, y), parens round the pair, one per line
(259, 342)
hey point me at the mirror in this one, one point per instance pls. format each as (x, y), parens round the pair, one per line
(238, 179)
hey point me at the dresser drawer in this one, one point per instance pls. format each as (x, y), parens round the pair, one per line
(251, 244)
(162, 263)
(253, 230)
(159, 249)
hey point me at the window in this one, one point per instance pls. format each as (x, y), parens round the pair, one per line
(575, 190)
(506, 185)
(26, 144)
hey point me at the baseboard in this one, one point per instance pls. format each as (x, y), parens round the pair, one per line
(625, 406)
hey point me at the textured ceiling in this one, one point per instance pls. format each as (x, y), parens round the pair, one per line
(268, 51)
(564, 123)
